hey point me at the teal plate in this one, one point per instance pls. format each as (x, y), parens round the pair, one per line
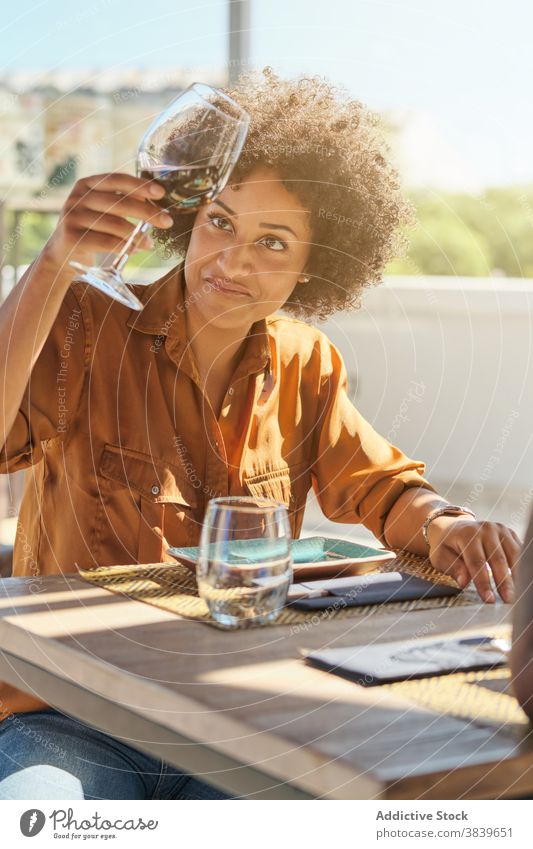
(313, 557)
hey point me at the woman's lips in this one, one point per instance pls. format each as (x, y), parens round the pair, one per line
(227, 287)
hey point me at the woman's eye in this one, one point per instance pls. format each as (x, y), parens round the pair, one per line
(219, 221)
(274, 244)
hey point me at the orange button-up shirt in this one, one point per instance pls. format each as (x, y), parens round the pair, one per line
(124, 451)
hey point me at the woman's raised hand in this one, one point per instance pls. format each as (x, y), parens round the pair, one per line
(94, 218)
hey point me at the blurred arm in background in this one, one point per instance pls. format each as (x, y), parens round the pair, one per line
(522, 651)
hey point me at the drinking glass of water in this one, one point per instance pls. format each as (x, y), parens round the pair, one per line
(244, 567)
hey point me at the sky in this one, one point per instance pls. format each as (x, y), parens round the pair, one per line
(466, 65)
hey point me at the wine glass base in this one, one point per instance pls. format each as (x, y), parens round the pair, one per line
(109, 281)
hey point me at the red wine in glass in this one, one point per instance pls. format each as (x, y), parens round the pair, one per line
(185, 187)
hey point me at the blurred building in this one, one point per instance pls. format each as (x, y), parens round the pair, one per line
(22, 126)
(60, 126)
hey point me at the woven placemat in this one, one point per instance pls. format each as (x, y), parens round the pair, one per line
(172, 587)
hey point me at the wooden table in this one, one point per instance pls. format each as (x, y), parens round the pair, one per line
(243, 709)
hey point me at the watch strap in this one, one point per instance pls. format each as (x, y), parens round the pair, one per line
(447, 510)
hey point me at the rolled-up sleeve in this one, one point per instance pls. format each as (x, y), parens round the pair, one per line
(357, 474)
(53, 392)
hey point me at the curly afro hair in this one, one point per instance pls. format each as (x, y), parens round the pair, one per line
(327, 149)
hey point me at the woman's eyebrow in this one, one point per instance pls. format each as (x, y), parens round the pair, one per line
(224, 206)
(277, 227)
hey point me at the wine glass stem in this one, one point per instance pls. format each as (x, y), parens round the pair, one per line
(121, 259)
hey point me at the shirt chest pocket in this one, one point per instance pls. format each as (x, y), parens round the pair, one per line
(287, 485)
(144, 503)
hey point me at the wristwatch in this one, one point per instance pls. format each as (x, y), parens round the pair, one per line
(447, 510)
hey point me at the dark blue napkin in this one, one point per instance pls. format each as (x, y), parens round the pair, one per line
(362, 592)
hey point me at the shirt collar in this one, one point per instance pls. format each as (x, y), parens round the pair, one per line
(162, 303)
(163, 314)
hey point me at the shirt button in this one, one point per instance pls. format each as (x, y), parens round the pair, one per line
(230, 390)
(155, 489)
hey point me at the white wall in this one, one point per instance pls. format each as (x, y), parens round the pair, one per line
(444, 368)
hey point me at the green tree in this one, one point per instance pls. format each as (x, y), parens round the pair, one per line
(442, 242)
(27, 235)
(471, 235)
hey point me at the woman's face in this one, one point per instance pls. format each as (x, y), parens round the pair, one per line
(247, 251)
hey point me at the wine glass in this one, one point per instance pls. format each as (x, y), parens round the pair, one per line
(244, 566)
(191, 149)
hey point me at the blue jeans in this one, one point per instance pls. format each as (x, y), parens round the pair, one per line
(47, 755)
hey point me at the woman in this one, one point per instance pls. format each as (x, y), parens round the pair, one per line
(129, 422)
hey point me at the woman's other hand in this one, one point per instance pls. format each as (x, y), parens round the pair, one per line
(473, 551)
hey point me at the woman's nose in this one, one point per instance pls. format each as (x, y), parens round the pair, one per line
(236, 261)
